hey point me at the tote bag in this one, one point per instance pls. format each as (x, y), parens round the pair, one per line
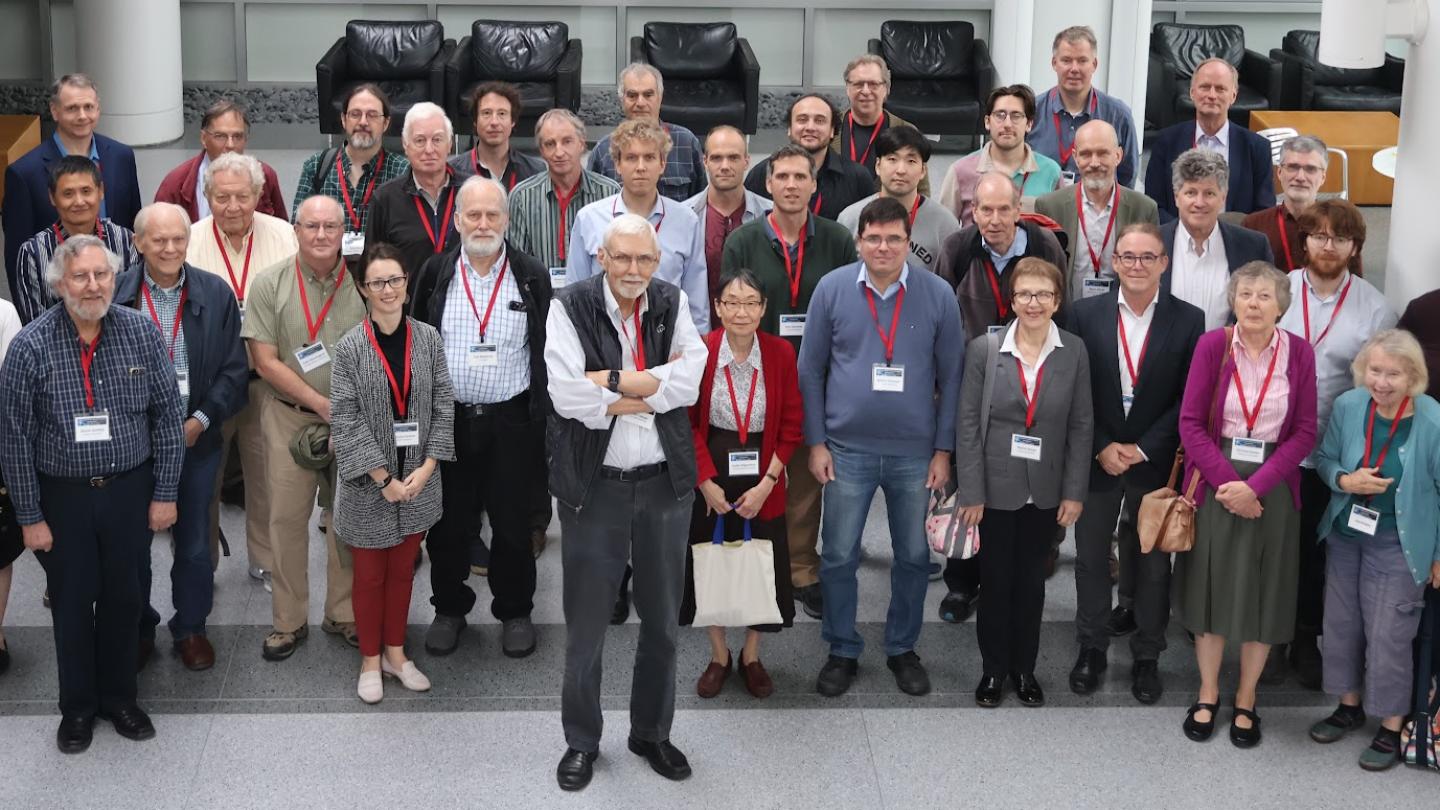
(734, 581)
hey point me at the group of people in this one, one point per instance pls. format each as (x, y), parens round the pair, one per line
(438, 339)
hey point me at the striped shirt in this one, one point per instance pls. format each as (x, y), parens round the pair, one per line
(507, 329)
(273, 241)
(390, 164)
(535, 214)
(684, 174)
(1252, 376)
(32, 295)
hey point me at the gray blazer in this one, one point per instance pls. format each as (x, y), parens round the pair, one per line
(362, 425)
(1063, 421)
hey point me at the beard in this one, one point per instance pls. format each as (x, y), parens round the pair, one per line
(87, 310)
(477, 244)
(1097, 183)
(364, 140)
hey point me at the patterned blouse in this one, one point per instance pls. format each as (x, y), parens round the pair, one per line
(722, 412)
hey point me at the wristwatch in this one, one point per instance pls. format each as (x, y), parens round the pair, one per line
(386, 482)
(614, 381)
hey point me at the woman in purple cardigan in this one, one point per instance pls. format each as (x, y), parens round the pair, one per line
(1246, 422)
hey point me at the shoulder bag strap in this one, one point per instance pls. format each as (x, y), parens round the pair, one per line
(322, 171)
(992, 354)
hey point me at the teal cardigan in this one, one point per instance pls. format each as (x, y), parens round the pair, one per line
(1417, 502)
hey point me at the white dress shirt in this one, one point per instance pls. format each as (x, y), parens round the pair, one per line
(1199, 274)
(1008, 346)
(1137, 329)
(1093, 221)
(202, 205)
(1219, 142)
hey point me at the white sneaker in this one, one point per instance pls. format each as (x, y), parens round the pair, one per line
(409, 676)
(371, 688)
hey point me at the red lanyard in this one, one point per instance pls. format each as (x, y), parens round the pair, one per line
(87, 357)
(819, 201)
(914, 209)
(1060, 140)
(637, 346)
(615, 211)
(994, 278)
(439, 242)
(60, 236)
(1370, 433)
(313, 327)
(887, 340)
(155, 316)
(494, 294)
(1284, 237)
(1109, 228)
(874, 133)
(563, 201)
(1305, 309)
(243, 284)
(743, 427)
(1125, 345)
(475, 165)
(369, 190)
(793, 273)
(1252, 417)
(1030, 401)
(402, 395)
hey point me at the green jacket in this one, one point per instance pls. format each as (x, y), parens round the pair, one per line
(828, 245)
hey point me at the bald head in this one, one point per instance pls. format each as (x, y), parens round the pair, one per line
(1097, 156)
(997, 209)
(319, 223)
(997, 188)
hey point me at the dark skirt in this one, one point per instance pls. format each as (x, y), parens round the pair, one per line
(702, 528)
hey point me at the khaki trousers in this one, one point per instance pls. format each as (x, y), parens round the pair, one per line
(292, 502)
(241, 433)
(802, 519)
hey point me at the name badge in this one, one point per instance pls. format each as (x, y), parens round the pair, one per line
(352, 243)
(1248, 450)
(887, 378)
(1067, 179)
(995, 330)
(644, 421)
(557, 277)
(1091, 287)
(241, 306)
(1364, 520)
(407, 434)
(312, 357)
(92, 427)
(792, 325)
(1126, 400)
(479, 355)
(744, 462)
(182, 378)
(1024, 446)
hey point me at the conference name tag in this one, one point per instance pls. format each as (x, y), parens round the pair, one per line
(312, 356)
(407, 434)
(182, 379)
(792, 325)
(1126, 400)
(352, 243)
(1364, 520)
(1247, 450)
(92, 427)
(995, 330)
(644, 421)
(1025, 446)
(241, 306)
(1091, 287)
(1067, 179)
(744, 462)
(479, 355)
(887, 378)
(557, 277)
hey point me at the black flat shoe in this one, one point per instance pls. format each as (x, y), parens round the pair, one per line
(74, 734)
(575, 769)
(1121, 622)
(910, 675)
(957, 606)
(1145, 683)
(1085, 675)
(810, 600)
(1196, 730)
(836, 676)
(990, 692)
(1028, 689)
(131, 722)
(1245, 737)
(664, 758)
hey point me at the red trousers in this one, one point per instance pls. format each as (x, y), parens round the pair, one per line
(381, 594)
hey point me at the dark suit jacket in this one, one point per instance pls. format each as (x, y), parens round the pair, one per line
(1252, 179)
(27, 206)
(1153, 423)
(1241, 246)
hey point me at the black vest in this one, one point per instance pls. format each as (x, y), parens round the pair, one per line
(576, 452)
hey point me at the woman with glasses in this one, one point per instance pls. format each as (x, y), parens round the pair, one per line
(746, 424)
(1023, 442)
(392, 421)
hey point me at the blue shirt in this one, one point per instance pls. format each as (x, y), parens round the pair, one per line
(94, 158)
(1017, 248)
(1044, 138)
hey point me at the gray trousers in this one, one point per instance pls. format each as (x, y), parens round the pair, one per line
(1151, 601)
(622, 521)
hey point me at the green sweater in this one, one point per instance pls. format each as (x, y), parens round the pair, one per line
(753, 246)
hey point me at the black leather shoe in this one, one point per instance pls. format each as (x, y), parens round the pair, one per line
(1145, 682)
(621, 613)
(1085, 675)
(1305, 658)
(1121, 622)
(1196, 730)
(664, 758)
(836, 676)
(910, 674)
(1277, 668)
(1245, 737)
(575, 769)
(131, 722)
(74, 734)
(990, 692)
(957, 606)
(4, 658)
(811, 600)
(1028, 689)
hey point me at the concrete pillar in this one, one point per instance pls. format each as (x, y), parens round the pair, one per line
(1012, 37)
(1129, 62)
(132, 51)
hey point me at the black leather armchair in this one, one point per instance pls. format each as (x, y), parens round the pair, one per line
(406, 59)
(1309, 85)
(538, 58)
(1176, 49)
(711, 74)
(940, 74)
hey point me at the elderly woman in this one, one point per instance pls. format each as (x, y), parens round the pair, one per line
(1246, 423)
(1381, 458)
(1023, 467)
(746, 427)
(392, 417)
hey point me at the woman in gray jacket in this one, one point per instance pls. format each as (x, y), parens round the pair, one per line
(392, 419)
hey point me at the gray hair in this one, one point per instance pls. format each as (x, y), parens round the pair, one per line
(1195, 165)
(563, 115)
(474, 183)
(1402, 346)
(1260, 271)
(1009, 182)
(869, 59)
(239, 164)
(1306, 145)
(1074, 34)
(640, 67)
(142, 219)
(68, 251)
(422, 111)
(629, 225)
(77, 80)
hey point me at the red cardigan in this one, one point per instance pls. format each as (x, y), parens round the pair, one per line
(179, 187)
(784, 413)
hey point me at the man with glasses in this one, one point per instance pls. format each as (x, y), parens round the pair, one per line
(415, 213)
(1009, 116)
(1074, 101)
(725, 204)
(641, 89)
(1301, 173)
(867, 85)
(224, 128)
(496, 108)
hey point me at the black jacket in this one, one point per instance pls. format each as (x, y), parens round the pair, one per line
(393, 218)
(1242, 246)
(838, 184)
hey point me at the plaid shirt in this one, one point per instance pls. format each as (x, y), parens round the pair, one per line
(684, 174)
(535, 214)
(395, 165)
(508, 329)
(32, 295)
(43, 392)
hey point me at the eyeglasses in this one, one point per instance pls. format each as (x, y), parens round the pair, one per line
(644, 260)
(1132, 259)
(876, 241)
(1009, 115)
(321, 227)
(377, 284)
(227, 137)
(1337, 241)
(436, 142)
(1299, 168)
(1026, 297)
(742, 306)
(872, 86)
(98, 276)
(365, 115)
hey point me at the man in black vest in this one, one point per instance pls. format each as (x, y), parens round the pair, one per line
(624, 362)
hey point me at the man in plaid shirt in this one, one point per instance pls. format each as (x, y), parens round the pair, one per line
(640, 90)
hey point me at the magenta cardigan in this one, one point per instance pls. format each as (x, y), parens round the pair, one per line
(1202, 442)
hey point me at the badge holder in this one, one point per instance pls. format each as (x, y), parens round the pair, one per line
(887, 378)
(312, 356)
(1251, 451)
(1025, 446)
(407, 434)
(352, 243)
(744, 462)
(792, 325)
(92, 427)
(482, 355)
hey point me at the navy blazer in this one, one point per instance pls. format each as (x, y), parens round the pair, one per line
(219, 372)
(1242, 245)
(1252, 178)
(27, 209)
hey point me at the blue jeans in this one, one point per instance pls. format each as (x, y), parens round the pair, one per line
(847, 503)
(192, 579)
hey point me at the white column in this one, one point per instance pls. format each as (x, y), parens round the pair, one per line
(1012, 36)
(132, 51)
(1411, 268)
(1129, 62)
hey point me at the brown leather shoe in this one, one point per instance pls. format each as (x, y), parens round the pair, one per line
(196, 653)
(757, 680)
(714, 677)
